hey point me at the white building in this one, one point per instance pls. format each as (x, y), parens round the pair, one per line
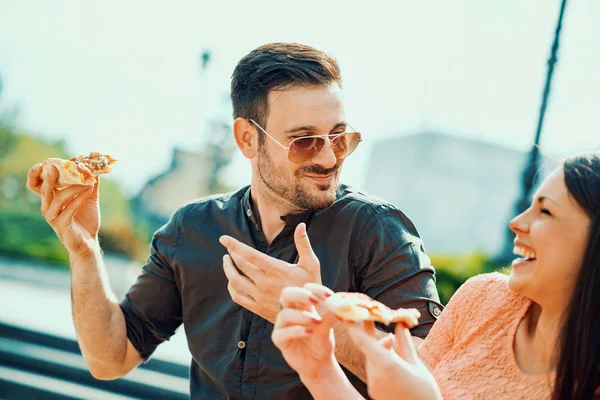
(460, 193)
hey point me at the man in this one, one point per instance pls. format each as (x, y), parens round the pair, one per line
(290, 124)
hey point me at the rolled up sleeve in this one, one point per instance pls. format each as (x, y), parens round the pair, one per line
(395, 269)
(152, 306)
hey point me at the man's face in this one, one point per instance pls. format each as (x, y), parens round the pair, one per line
(303, 111)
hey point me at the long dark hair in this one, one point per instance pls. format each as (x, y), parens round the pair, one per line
(578, 347)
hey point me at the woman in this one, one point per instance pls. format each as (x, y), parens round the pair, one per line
(532, 335)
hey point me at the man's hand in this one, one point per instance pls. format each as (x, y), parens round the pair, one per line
(264, 277)
(73, 212)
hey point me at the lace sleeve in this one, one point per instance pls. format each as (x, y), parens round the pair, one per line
(443, 333)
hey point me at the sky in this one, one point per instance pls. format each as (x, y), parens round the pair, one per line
(124, 77)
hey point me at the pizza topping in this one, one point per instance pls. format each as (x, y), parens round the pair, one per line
(97, 163)
(81, 168)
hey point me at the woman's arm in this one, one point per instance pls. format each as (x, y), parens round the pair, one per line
(305, 338)
(330, 383)
(393, 367)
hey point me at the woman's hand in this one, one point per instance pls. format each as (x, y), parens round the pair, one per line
(304, 330)
(393, 368)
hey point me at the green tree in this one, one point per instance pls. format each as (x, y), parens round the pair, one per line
(23, 230)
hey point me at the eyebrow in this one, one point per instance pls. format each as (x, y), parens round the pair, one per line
(297, 129)
(541, 199)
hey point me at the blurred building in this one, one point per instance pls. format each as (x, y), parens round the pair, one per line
(191, 175)
(459, 192)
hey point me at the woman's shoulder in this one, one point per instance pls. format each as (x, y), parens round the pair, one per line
(491, 288)
(486, 282)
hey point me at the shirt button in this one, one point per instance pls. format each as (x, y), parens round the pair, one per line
(241, 344)
(437, 312)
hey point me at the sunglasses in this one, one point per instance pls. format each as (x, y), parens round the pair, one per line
(305, 148)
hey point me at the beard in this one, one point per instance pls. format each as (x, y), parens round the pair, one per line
(294, 189)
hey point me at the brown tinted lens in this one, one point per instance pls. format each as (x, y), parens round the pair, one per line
(345, 144)
(303, 149)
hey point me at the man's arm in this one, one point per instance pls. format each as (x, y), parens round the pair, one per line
(348, 354)
(350, 357)
(74, 214)
(99, 321)
(392, 268)
(102, 325)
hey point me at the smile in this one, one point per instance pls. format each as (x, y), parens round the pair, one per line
(527, 255)
(323, 179)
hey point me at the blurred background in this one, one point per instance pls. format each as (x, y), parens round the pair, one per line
(449, 98)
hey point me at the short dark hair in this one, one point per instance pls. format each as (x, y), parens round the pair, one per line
(277, 66)
(577, 372)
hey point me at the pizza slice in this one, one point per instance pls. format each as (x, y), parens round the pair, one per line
(359, 307)
(80, 170)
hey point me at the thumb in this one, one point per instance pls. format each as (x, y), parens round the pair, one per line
(404, 345)
(388, 341)
(306, 255)
(367, 344)
(95, 192)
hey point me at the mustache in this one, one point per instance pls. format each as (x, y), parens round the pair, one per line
(319, 170)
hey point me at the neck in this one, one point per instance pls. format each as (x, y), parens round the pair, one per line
(270, 208)
(542, 328)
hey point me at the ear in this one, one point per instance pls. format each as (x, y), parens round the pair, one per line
(246, 137)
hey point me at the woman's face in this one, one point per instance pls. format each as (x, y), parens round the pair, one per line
(551, 237)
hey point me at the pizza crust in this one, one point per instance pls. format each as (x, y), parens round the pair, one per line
(81, 170)
(68, 173)
(359, 307)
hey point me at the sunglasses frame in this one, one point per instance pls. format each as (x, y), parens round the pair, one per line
(329, 137)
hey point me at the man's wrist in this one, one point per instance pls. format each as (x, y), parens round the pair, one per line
(85, 254)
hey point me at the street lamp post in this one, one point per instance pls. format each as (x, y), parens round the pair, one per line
(530, 171)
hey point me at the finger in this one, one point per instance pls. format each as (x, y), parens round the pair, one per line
(95, 193)
(304, 300)
(369, 327)
(61, 200)
(34, 179)
(404, 344)
(328, 320)
(320, 291)
(47, 189)
(241, 298)
(282, 336)
(291, 316)
(68, 213)
(295, 297)
(253, 256)
(306, 256)
(366, 343)
(237, 280)
(387, 341)
(247, 268)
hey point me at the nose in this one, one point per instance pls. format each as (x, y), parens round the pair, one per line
(326, 157)
(519, 224)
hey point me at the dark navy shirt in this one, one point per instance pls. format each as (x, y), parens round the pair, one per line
(363, 244)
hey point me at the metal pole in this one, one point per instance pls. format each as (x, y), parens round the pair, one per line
(529, 177)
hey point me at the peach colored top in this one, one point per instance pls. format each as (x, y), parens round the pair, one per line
(470, 347)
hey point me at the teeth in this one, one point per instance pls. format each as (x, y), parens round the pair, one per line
(524, 253)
